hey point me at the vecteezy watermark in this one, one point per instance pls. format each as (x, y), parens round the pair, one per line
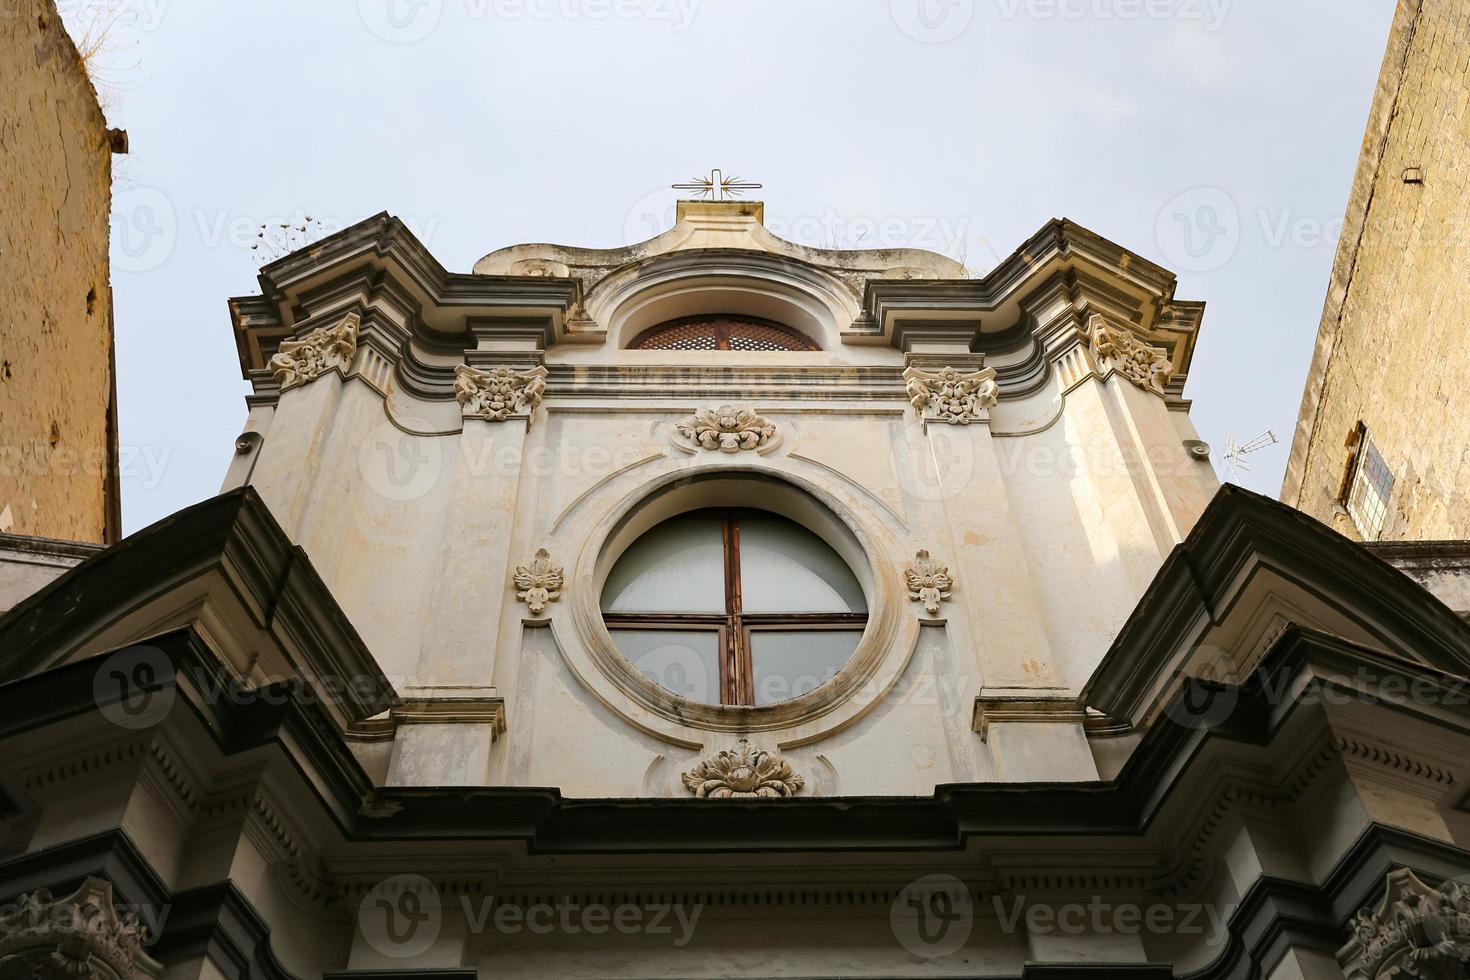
(142, 466)
(656, 211)
(130, 689)
(568, 917)
(933, 916)
(1210, 14)
(142, 15)
(1099, 917)
(1202, 229)
(1199, 230)
(932, 21)
(145, 229)
(408, 21)
(403, 916)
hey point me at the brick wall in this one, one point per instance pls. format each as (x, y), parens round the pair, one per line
(1396, 330)
(56, 375)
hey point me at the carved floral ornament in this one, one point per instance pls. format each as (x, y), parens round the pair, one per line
(726, 429)
(81, 935)
(953, 396)
(498, 393)
(307, 358)
(1119, 350)
(743, 772)
(539, 582)
(928, 582)
(1415, 932)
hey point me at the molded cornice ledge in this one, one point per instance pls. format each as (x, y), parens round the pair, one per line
(1214, 582)
(274, 616)
(380, 261)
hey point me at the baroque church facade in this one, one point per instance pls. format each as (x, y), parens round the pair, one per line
(719, 606)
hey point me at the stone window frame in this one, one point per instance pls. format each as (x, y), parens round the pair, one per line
(887, 645)
(1367, 486)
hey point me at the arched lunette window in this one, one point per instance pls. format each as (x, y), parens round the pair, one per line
(722, 332)
(736, 606)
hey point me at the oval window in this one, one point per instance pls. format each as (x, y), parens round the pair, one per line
(737, 607)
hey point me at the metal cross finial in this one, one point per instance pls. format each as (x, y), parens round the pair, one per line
(718, 187)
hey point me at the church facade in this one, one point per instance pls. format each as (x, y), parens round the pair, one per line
(719, 606)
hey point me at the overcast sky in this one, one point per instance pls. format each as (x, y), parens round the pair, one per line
(1216, 137)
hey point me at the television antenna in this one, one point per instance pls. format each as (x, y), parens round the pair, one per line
(1236, 452)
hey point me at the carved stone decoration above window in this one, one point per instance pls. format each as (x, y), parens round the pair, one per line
(1416, 931)
(78, 936)
(325, 348)
(743, 772)
(726, 429)
(928, 582)
(1119, 350)
(539, 582)
(951, 395)
(498, 393)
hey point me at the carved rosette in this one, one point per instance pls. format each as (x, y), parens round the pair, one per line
(1119, 350)
(539, 582)
(743, 772)
(928, 582)
(1416, 931)
(81, 935)
(307, 358)
(498, 393)
(951, 395)
(726, 429)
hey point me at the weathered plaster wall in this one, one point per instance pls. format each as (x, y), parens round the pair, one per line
(56, 375)
(1390, 348)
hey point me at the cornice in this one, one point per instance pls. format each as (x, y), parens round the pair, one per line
(232, 535)
(1239, 534)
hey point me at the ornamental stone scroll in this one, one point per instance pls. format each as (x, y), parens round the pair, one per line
(952, 396)
(308, 358)
(726, 429)
(1119, 350)
(499, 393)
(79, 936)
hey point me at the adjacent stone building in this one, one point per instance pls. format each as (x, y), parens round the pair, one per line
(1382, 449)
(720, 607)
(58, 412)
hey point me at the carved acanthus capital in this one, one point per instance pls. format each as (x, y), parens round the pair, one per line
(498, 393)
(1119, 350)
(307, 358)
(81, 935)
(1416, 931)
(744, 771)
(539, 582)
(727, 429)
(928, 581)
(951, 395)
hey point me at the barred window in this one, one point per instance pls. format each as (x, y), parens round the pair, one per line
(722, 332)
(1369, 486)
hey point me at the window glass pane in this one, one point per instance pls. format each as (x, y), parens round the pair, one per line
(791, 663)
(687, 663)
(784, 568)
(677, 567)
